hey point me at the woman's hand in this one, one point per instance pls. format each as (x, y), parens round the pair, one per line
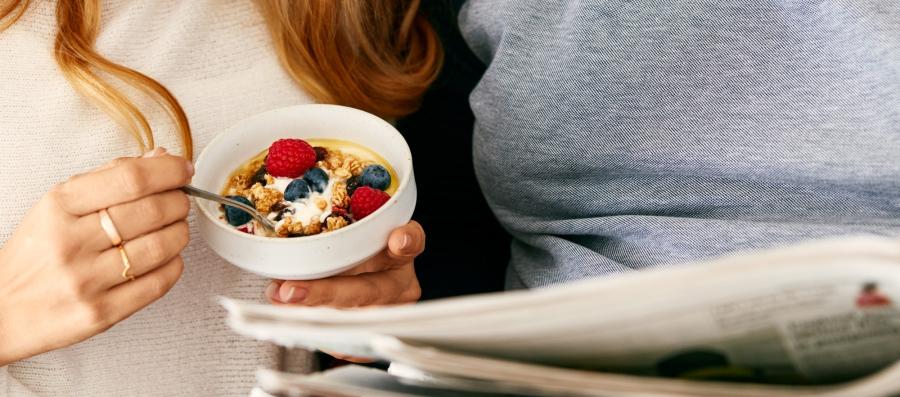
(61, 278)
(388, 278)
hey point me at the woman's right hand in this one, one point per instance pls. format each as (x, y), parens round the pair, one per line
(61, 278)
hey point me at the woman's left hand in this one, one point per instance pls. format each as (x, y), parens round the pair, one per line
(387, 278)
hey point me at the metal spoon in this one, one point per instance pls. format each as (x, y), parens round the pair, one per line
(260, 218)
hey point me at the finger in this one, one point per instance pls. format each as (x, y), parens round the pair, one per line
(272, 291)
(352, 359)
(145, 254)
(114, 162)
(127, 298)
(128, 180)
(159, 151)
(136, 218)
(405, 243)
(398, 285)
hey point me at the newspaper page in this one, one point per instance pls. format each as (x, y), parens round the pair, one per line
(842, 325)
(351, 381)
(423, 365)
(819, 313)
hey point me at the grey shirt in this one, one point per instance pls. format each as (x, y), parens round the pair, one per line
(614, 136)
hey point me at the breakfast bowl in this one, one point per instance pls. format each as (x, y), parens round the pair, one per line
(312, 256)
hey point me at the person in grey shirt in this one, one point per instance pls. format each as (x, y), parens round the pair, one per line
(613, 135)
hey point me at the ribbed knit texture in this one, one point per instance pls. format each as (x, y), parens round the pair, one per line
(217, 59)
(614, 136)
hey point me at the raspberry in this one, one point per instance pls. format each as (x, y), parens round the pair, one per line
(248, 228)
(290, 158)
(366, 200)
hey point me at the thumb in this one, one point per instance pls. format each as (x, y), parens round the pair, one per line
(406, 242)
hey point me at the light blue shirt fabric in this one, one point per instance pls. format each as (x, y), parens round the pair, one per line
(614, 136)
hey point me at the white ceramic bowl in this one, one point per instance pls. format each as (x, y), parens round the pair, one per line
(311, 257)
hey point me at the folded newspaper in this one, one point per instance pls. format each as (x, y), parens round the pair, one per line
(812, 319)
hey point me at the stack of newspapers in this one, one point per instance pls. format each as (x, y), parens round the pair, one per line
(818, 318)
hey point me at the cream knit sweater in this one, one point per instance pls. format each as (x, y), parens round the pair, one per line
(217, 59)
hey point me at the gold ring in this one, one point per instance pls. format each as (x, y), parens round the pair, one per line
(125, 263)
(109, 227)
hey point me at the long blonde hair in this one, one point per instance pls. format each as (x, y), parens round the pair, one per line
(376, 55)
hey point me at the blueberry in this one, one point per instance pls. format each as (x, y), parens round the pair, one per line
(297, 189)
(317, 179)
(375, 176)
(321, 153)
(352, 184)
(236, 216)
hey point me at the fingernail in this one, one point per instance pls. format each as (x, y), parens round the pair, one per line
(292, 294)
(272, 291)
(159, 151)
(405, 241)
(190, 168)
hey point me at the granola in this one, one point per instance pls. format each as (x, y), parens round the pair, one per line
(339, 195)
(264, 198)
(335, 222)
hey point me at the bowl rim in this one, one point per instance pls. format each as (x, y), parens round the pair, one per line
(401, 188)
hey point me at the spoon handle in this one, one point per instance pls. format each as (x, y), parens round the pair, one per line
(264, 221)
